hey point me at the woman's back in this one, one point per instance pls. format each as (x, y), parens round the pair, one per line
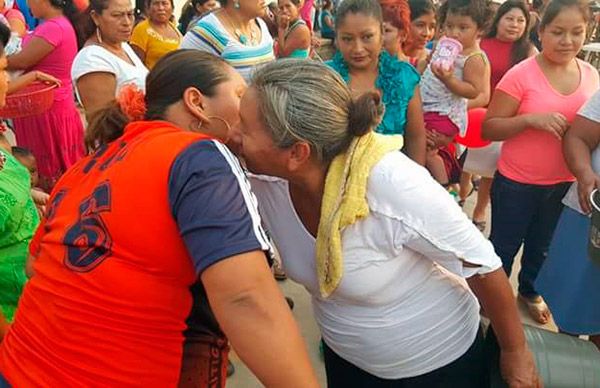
(59, 33)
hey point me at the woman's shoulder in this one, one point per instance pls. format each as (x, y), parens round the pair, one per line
(397, 76)
(587, 69)
(524, 70)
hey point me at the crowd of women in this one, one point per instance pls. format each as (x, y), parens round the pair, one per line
(208, 142)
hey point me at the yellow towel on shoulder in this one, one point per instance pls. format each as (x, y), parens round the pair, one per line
(345, 202)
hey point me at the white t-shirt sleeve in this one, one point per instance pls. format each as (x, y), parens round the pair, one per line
(207, 35)
(427, 219)
(590, 111)
(92, 59)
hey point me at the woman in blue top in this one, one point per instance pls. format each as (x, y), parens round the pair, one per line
(365, 66)
(327, 21)
(293, 33)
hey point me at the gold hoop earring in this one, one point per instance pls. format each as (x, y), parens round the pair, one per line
(221, 119)
(98, 34)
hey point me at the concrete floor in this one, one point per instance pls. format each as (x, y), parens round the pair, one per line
(243, 378)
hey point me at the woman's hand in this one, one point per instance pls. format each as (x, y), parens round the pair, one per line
(555, 123)
(40, 199)
(586, 183)
(283, 22)
(436, 140)
(518, 369)
(46, 78)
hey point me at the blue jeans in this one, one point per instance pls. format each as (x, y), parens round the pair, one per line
(524, 214)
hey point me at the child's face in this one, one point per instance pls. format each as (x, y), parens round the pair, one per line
(31, 165)
(462, 28)
(422, 30)
(391, 37)
(3, 79)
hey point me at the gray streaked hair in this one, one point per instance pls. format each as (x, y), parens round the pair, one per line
(304, 100)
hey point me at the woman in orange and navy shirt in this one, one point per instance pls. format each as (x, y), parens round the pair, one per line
(131, 228)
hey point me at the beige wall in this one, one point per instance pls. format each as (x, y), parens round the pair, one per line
(178, 5)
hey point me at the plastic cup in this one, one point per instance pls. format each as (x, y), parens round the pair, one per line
(594, 239)
(446, 52)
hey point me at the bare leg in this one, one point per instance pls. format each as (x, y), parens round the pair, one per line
(483, 199)
(436, 167)
(466, 186)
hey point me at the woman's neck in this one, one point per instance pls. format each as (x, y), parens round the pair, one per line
(413, 51)
(553, 66)
(158, 24)
(52, 13)
(372, 68)
(109, 45)
(237, 18)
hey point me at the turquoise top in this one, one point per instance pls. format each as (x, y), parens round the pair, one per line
(299, 53)
(325, 29)
(396, 80)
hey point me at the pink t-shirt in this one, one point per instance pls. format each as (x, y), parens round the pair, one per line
(534, 156)
(59, 33)
(306, 13)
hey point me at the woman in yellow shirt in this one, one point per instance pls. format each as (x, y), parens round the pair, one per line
(157, 35)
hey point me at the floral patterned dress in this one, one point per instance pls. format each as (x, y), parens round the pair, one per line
(18, 221)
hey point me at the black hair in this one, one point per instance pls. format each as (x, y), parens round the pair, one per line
(478, 10)
(4, 37)
(165, 85)
(365, 7)
(419, 8)
(21, 152)
(557, 6)
(522, 46)
(69, 10)
(86, 26)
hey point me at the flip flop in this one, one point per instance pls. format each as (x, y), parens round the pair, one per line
(536, 308)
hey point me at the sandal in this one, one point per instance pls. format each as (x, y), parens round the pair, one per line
(537, 308)
(480, 225)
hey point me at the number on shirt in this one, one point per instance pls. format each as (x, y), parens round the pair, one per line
(88, 241)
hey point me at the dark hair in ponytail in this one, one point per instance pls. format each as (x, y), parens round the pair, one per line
(165, 85)
(365, 113)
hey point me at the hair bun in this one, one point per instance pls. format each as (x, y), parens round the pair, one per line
(365, 113)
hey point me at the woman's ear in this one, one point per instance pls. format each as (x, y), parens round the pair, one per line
(193, 100)
(299, 154)
(94, 15)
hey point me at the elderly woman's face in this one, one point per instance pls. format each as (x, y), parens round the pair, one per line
(252, 140)
(116, 21)
(160, 11)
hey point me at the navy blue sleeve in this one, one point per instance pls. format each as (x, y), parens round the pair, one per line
(212, 203)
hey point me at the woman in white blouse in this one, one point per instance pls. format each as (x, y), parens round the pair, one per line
(397, 317)
(106, 62)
